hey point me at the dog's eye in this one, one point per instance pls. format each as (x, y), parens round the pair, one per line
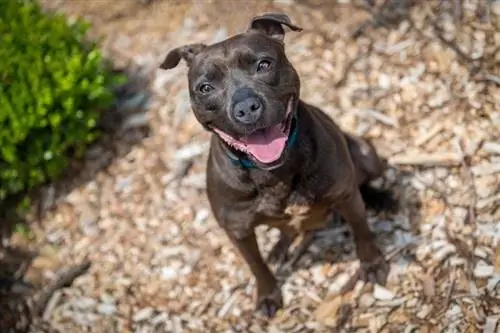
(263, 65)
(205, 88)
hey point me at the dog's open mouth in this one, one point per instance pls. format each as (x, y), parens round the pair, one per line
(264, 145)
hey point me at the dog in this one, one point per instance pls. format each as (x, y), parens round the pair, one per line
(274, 159)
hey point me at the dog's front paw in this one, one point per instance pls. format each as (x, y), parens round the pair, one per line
(268, 303)
(374, 267)
(375, 272)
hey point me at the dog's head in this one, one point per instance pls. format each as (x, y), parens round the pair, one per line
(244, 88)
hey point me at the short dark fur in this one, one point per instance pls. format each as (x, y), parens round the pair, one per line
(324, 171)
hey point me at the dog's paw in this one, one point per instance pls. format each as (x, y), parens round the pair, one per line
(269, 303)
(374, 267)
(375, 271)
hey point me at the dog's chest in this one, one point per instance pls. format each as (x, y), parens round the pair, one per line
(275, 194)
(272, 198)
(284, 201)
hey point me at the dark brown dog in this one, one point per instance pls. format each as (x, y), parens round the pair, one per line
(274, 159)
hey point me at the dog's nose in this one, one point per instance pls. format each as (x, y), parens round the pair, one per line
(247, 106)
(248, 111)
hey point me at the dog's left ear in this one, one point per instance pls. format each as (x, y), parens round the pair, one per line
(186, 52)
(272, 25)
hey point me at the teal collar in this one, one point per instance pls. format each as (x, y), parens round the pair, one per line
(246, 163)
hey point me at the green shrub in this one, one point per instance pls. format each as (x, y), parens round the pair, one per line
(53, 86)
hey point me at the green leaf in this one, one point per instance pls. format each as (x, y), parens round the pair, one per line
(8, 153)
(53, 85)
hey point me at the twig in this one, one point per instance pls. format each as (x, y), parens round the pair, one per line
(444, 159)
(206, 303)
(450, 291)
(470, 180)
(23, 267)
(402, 248)
(453, 45)
(360, 29)
(227, 305)
(347, 70)
(390, 12)
(42, 298)
(51, 305)
(458, 11)
(488, 201)
(429, 134)
(491, 78)
(386, 120)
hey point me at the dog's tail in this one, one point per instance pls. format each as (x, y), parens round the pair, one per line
(378, 200)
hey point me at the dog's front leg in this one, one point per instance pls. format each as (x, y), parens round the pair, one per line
(352, 209)
(269, 298)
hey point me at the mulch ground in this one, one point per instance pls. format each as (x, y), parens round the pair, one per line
(422, 81)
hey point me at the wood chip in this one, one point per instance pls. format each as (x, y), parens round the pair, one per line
(491, 324)
(437, 159)
(429, 286)
(491, 148)
(382, 294)
(143, 314)
(483, 271)
(424, 311)
(429, 134)
(227, 305)
(367, 113)
(342, 283)
(485, 170)
(366, 300)
(414, 93)
(493, 282)
(488, 201)
(497, 258)
(328, 311)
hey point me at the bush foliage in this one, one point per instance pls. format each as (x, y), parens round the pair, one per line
(53, 86)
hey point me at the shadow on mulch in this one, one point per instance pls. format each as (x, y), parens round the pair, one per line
(381, 14)
(123, 126)
(409, 206)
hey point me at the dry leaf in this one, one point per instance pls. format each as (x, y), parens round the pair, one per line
(429, 286)
(327, 312)
(497, 258)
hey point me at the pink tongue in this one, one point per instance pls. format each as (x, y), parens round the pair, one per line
(266, 146)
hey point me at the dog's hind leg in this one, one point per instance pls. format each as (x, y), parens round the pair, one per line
(280, 251)
(369, 166)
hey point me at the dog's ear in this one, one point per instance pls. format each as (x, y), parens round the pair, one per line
(186, 52)
(272, 25)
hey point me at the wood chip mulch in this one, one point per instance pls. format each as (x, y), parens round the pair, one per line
(419, 78)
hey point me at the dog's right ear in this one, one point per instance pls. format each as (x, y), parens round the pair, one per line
(186, 52)
(272, 25)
